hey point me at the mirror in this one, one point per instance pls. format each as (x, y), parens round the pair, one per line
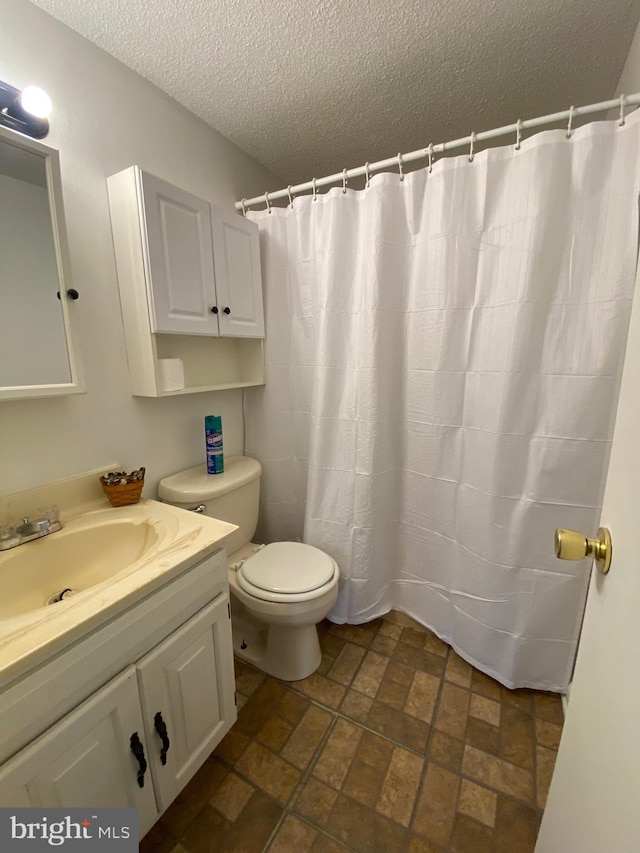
(36, 355)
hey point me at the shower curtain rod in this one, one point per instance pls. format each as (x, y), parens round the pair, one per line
(398, 161)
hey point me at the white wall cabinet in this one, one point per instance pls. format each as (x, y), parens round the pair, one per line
(236, 254)
(180, 282)
(172, 707)
(190, 286)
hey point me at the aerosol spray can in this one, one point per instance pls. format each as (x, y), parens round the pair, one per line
(213, 437)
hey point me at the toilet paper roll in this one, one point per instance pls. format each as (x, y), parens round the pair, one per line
(171, 374)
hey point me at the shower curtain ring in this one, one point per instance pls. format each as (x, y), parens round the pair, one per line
(344, 181)
(430, 156)
(367, 177)
(400, 172)
(313, 187)
(290, 196)
(621, 122)
(518, 134)
(471, 154)
(267, 202)
(244, 209)
(569, 130)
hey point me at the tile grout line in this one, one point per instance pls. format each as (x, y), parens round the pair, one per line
(340, 792)
(426, 760)
(288, 685)
(286, 807)
(337, 715)
(343, 716)
(534, 769)
(304, 778)
(324, 832)
(500, 735)
(423, 755)
(314, 759)
(460, 776)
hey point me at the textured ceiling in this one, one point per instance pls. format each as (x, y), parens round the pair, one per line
(309, 87)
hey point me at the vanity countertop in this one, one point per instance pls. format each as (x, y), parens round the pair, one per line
(180, 539)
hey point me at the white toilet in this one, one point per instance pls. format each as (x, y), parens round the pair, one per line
(279, 592)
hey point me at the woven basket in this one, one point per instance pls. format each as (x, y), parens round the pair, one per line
(123, 494)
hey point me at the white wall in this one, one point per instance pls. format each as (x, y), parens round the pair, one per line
(629, 82)
(106, 118)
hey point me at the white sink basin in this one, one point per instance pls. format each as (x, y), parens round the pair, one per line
(110, 557)
(94, 548)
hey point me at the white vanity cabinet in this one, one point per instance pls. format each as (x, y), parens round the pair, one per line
(190, 286)
(185, 681)
(155, 722)
(85, 760)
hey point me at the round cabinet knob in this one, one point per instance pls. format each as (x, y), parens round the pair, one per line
(571, 545)
(214, 310)
(72, 293)
(227, 310)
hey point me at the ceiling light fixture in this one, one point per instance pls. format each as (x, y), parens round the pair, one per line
(26, 110)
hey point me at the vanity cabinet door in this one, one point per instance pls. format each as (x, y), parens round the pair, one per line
(187, 691)
(181, 283)
(236, 252)
(86, 760)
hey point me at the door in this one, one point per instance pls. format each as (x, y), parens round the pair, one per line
(181, 285)
(236, 250)
(187, 689)
(593, 804)
(86, 759)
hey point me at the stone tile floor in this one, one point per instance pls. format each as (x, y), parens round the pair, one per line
(394, 744)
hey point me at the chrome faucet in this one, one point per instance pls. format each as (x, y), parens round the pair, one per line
(30, 529)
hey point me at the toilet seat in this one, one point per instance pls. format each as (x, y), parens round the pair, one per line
(287, 572)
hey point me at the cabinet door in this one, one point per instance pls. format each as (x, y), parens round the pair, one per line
(85, 760)
(187, 686)
(236, 251)
(181, 283)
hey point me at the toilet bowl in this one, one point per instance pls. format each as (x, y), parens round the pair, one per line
(280, 591)
(287, 587)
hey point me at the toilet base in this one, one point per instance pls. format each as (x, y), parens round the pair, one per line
(289, 653)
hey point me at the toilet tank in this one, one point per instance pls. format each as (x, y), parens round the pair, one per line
(232, 496)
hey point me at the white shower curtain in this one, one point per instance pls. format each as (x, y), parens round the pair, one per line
(443, 356)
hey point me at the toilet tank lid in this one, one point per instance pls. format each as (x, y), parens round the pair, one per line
(195, 485)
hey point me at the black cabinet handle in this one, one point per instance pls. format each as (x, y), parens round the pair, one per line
(161, 728)
(72, 293)
(214, 310)
(138, 750)
(227, 310)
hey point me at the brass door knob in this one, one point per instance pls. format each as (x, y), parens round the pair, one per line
(571, 545)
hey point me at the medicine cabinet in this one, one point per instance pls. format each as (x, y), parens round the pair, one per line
(37, 298)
